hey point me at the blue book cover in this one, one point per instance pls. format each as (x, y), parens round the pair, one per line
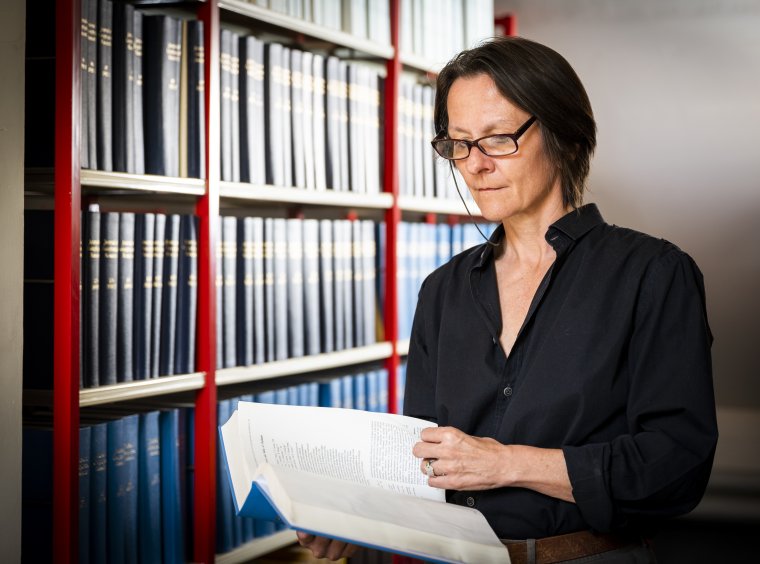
(373, 393)
(330, 393)
(347, 391)
(281, 396)
(311, 286)
(149, 489)
(235, 520)
(98, 493)
(402, 277)
(259, 315)
(295, 287)
(280, 291)
(117, 491)
(245, 286)
(443, 244)
(189, 416)
(382, 390)
(229, 291)
(313, 394)
(293, 395)
(130, 438)
(171, 509)
(360, 391)
(85, 434)
(369, 298)
(326, 304)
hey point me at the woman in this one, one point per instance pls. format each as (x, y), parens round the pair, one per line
(566, 361)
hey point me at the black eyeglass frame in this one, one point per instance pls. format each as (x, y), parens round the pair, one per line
(476, 142)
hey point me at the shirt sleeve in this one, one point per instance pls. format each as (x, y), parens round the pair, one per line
(419, 390)
(661, 468)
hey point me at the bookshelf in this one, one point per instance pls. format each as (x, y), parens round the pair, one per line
(73, 187)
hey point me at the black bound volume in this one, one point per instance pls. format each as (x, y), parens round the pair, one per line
(187, 295)
(311, 285)
(259, 337)
(109, 273)
(169, 301)
(225, 83)
(137, 139)
(92, 71)
(252, 160)
(196, 114)
(145, 225)
(125, 303)
(268, 262)
(104, 85)
(275, 171)
(161, 75)
(280, 269)
(122, 86)
(159, 242)
(91, 297)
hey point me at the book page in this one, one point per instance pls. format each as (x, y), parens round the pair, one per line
(404, 524)
(370, 449)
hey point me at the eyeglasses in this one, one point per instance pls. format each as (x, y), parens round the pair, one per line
(499, 145)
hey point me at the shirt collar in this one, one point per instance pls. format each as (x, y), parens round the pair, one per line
(572, 226)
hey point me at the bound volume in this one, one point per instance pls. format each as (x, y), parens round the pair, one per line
(349, 475)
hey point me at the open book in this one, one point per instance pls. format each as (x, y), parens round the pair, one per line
(350, 475)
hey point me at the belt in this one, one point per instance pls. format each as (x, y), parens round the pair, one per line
(565, 547)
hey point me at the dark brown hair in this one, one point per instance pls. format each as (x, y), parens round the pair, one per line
(541, 82)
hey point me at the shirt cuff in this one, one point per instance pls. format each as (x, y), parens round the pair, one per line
(587, 467)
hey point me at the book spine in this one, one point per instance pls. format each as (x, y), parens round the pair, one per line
(149, 491)
(122, 84)
(187, 295)
(280, 268)
(84, 149)
(125, 302)
(319, 115)
(275, 169)
(137, 129)
(161, 100)
(235, 104)
(225, 82)
(356, 133)
(171, 492)
(91, 298)
(357, 284)
(287, 118)
(252, 121)
(98, 492)
(295, 287)
(145, 225)
(259, 273)
(339, 274)
(311, 286)
(229, 270)
(92, 80)
(84, 494)
(168, 339)
(109, 273)
(159, 246)
(343, 116)
(104, 85)
(130, 471)
(269, 274)
(332, 125)
(297, 118)
(307, 94)
(116, 493)
(219, 285)
(348, 282)
(245, 292)
(368, 253)
(326, 302)
(196, 113)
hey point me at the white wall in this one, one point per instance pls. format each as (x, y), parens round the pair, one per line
(675, 87)
(11, 259)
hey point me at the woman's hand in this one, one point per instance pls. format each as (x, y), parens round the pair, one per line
(323, 547)
(459, 461)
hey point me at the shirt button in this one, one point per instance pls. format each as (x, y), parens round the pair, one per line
(470, 501)
(494, 340)
(508, 391)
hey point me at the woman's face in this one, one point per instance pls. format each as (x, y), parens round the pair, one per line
(509, 187)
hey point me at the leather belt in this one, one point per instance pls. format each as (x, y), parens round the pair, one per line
(559, 548)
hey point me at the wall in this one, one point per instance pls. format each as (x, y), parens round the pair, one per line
(11, 284)
(676, 93)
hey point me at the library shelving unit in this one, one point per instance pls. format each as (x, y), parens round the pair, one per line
(71, 185)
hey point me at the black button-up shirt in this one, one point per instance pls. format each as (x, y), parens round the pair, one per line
(612, 365)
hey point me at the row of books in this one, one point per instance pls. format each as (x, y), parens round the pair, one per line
(438, 29)
(294, 287)
(366, 391)
(297, 118)
(135, 490)
(368, 19)
(422, 173)
(138, 296)
(422, 248)
(142, 103)
(433, 29)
